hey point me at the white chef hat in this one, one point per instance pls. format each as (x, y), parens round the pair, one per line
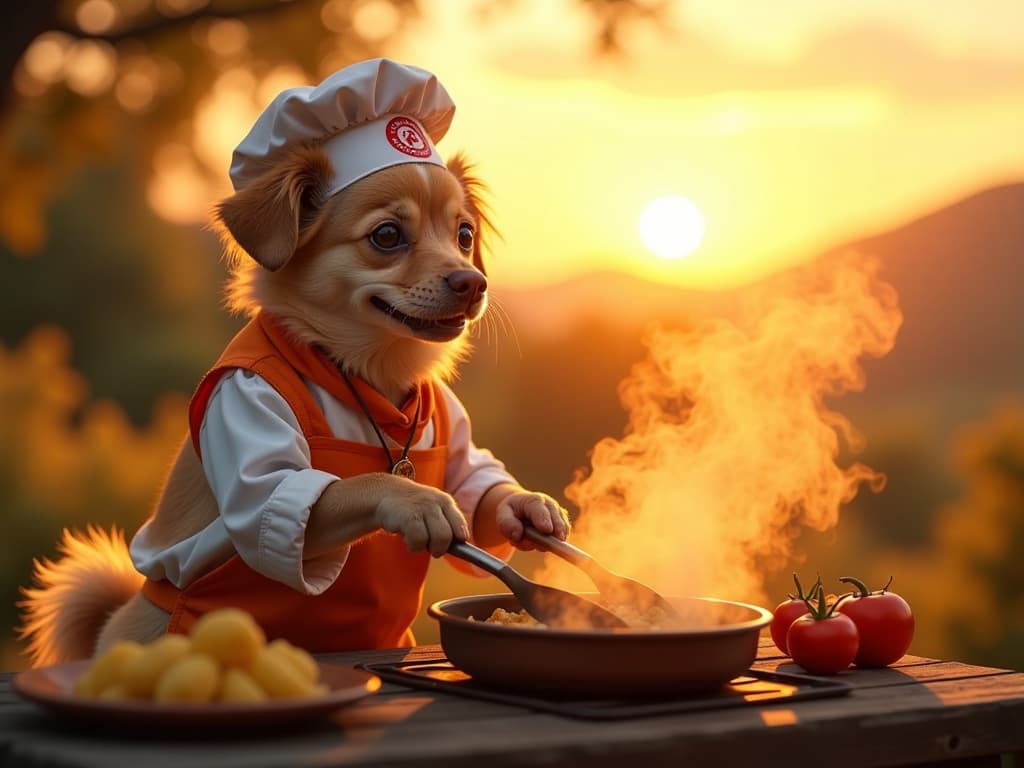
(366, 117)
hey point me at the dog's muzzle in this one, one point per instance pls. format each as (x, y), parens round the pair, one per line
(468, 292)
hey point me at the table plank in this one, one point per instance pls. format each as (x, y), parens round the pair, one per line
(924, 710)
(395, 732)
(903, 675)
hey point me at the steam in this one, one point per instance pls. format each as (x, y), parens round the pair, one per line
(731, 449)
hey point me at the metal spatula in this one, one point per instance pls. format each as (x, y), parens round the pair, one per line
(554, 607)
(618, 590)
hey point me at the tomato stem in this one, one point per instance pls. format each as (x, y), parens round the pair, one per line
(800, 594)
(862, 588)
(822, 610)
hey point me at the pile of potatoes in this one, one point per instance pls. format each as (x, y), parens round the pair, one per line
(225, 658)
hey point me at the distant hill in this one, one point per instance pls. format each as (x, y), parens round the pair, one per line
(624, 299)
(959, 272)
(960, 276)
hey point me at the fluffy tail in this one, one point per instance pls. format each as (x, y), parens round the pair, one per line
(74, 596)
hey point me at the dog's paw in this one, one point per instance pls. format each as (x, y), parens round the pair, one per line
(536, 509)
(426, 518)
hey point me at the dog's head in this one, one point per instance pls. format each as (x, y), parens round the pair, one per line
(387, 276)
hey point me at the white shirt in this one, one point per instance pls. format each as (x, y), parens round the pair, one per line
(257, 462)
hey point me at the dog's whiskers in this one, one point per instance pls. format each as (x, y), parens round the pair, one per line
(482, 327)
(497, 314)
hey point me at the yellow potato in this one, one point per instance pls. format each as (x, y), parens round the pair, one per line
(195, 677)
(115, 692)
(238, 685)
(105, 670)
(141, 673)
(278, 675)
(226, 658)
(229, 635)
(298, 657)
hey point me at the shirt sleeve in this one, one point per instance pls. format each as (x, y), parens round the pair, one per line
(258, 464)
(471, 471)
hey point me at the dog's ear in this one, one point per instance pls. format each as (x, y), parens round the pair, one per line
(475, 189)
(274, 214)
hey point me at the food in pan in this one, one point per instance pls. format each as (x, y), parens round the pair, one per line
(649, 618)
(224, 658)
(521, 617)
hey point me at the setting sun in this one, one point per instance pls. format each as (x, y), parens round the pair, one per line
(671, 227)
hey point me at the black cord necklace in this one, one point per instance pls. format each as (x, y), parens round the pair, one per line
(403, 467)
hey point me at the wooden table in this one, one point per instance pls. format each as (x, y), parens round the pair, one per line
(920, 712)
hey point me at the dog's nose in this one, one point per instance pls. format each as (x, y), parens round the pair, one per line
(467, 284)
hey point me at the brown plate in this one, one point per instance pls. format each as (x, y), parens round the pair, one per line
(51, 687)
(718, 643)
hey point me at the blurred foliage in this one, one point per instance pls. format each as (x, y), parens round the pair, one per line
(137, 296)
(72, 71)
(979, 540)
(154, 61)
(66, 460)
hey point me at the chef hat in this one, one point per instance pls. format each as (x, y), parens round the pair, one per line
(366, 117)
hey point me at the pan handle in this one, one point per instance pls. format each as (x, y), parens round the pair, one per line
(478, 557)
(508, 575)
(563, 549)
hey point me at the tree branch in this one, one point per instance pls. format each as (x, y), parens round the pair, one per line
(16, 34)
(157, 24)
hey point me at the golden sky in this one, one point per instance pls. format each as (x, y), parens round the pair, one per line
(792, 125)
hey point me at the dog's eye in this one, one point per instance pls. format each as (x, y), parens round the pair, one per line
(466, 238)
(387, 237)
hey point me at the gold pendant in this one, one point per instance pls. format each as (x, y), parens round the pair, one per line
(404, 468)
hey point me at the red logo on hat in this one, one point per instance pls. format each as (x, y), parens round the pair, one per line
(405, 136)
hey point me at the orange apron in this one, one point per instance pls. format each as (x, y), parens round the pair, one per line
(379, 591)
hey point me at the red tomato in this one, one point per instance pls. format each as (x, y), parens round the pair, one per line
(785, 614)
(789, 611)
(884, 621)
(823, 646)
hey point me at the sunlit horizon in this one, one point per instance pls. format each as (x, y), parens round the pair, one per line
(812, 129)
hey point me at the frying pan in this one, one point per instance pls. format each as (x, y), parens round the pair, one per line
(719, 643)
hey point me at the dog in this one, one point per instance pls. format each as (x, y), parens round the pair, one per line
(372, 290)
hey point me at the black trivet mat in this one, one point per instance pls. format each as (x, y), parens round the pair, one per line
(756, 687)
